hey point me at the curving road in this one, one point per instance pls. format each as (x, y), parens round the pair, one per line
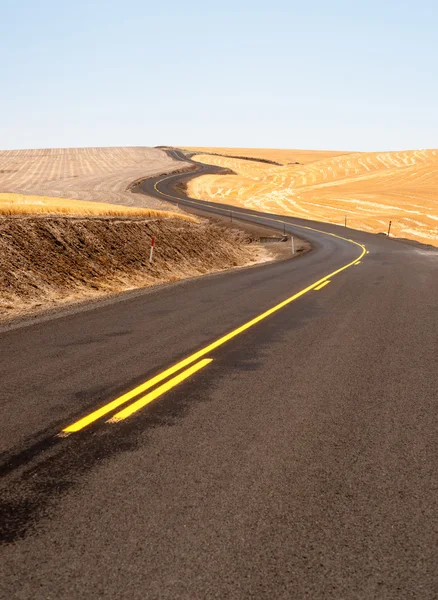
(291, 455)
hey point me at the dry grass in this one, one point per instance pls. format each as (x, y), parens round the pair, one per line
(369, 188)
(93, 174)
(283, 157)
(18, 204)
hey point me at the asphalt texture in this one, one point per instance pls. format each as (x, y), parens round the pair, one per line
(300, 463)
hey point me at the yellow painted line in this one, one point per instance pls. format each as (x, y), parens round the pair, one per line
(159, 391)
(322, 285)
(107, 408)
(357, 262)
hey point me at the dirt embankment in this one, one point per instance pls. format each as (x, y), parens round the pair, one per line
(46, 261)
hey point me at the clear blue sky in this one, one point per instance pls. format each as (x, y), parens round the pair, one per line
(323, 74)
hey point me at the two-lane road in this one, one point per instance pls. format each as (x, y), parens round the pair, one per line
(291, 455)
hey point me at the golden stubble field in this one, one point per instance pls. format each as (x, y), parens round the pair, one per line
(87, 174)
(283, 157)
(369, 189)
(19, 204)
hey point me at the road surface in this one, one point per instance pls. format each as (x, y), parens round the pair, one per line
(239, 452)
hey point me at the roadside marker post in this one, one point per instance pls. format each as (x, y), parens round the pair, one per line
(151, 255)
(293, 245)
(389, 228)
(345, 221)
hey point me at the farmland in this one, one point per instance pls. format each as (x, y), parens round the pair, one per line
(91, 174)
(283, 157)
(367, 189)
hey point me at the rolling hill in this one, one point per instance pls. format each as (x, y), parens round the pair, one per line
(93, 174)
(368, 189)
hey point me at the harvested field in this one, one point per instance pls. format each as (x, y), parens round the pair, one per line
(283, 157)
(47, 261)
(17, 204)
(93, 174)
(370, 189)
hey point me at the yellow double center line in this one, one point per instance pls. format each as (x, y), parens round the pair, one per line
(197, 356)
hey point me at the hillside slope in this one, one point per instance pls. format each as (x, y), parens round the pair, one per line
(95, 174)
(281, 156)
(47, 261)
(369, 189)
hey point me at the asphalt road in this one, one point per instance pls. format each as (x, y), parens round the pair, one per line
(299, 463)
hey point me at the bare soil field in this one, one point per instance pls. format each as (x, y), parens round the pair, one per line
(93, 174)
(48, 261)
(369, 189)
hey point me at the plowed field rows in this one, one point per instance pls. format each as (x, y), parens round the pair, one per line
(95, 174)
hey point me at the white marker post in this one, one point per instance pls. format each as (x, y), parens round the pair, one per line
(151, 255)
(293, 245)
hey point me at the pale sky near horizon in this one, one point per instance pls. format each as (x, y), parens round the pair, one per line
(334, 74)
